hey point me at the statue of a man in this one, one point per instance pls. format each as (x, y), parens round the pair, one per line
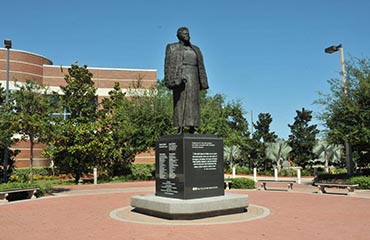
(185, 74)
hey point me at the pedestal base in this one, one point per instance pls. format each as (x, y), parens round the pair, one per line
(189, 166)
(171, 208)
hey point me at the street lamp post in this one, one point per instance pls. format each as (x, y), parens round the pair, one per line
(333, 49)
(347, 145)
(8, 46)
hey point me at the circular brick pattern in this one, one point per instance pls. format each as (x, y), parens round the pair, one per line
(126, 214)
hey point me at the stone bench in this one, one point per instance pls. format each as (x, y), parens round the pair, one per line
(85, 179)
(264, 183)
(29, 193)
(348, 186)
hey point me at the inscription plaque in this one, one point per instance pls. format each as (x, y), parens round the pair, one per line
(189, 166)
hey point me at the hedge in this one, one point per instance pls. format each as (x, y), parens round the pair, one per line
(39, 173)
(42, 187)
(142, 171)
(362, 181)
(242, 183)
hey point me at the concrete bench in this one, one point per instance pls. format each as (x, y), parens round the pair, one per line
(29, 193)
(348, 186)
(85, 179)
(289, 182)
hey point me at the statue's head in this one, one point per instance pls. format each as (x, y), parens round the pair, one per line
(183, 34)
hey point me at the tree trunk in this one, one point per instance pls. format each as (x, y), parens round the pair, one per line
(31, 158)
(77, 176)
(349, 161)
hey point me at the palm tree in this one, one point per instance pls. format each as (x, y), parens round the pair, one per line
(231, 154)
(278, 151)
(328, 152)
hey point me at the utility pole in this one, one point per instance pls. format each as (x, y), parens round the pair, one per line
(347, 144)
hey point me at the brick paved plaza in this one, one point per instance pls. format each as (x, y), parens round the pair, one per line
(85, 212)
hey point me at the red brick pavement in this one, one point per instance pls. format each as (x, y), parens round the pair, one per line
(83, 213)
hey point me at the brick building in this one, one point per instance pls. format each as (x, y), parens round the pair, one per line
(30, 66)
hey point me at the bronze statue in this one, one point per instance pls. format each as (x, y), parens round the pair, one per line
(185, 74)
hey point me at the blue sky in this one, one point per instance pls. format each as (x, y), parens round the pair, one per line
(268, 54)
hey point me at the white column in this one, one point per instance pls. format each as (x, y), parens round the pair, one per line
(276, 174)
(233, 169)
(95, 176)
(299, 181)
(255, 174)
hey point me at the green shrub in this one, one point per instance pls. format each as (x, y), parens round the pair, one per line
(288, 172)
(328, 177)
(335, 170)
(13, 185)
(118, 179)
(23, 174)
(227, 169)
(266, 172)
(44, 171)
(243, 170)
(242, 183)
(44, 187)
(362, 181)
(145, 171)
(306, 172)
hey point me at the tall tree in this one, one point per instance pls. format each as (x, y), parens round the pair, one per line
(261, 137)
(347, 112)
(116, 122)
(136, 120)
(224, 119)
(77, 145)
(79, 97)
(149, 114)
(262, 129)
(302, 138)
(235, 118)
(6, 140)
(32, 115)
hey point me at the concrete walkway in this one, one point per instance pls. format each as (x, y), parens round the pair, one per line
(83, 212)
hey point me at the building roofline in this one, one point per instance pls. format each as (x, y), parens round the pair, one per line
(101, 68)
(97, 68)
(35, 54)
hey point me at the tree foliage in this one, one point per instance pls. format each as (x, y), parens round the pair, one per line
(232, 154)
(261, 137)
(136, 120)
(347, 111)
(329, 153)
(77, 144)
(82, 133)
(302, 138)
(6, 140)
(224, 119)
(78, 96)
(262, 129)
(31, 115)
(278, 152)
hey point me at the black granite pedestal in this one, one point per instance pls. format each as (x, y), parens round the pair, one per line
(189, 166)
(189, 180)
